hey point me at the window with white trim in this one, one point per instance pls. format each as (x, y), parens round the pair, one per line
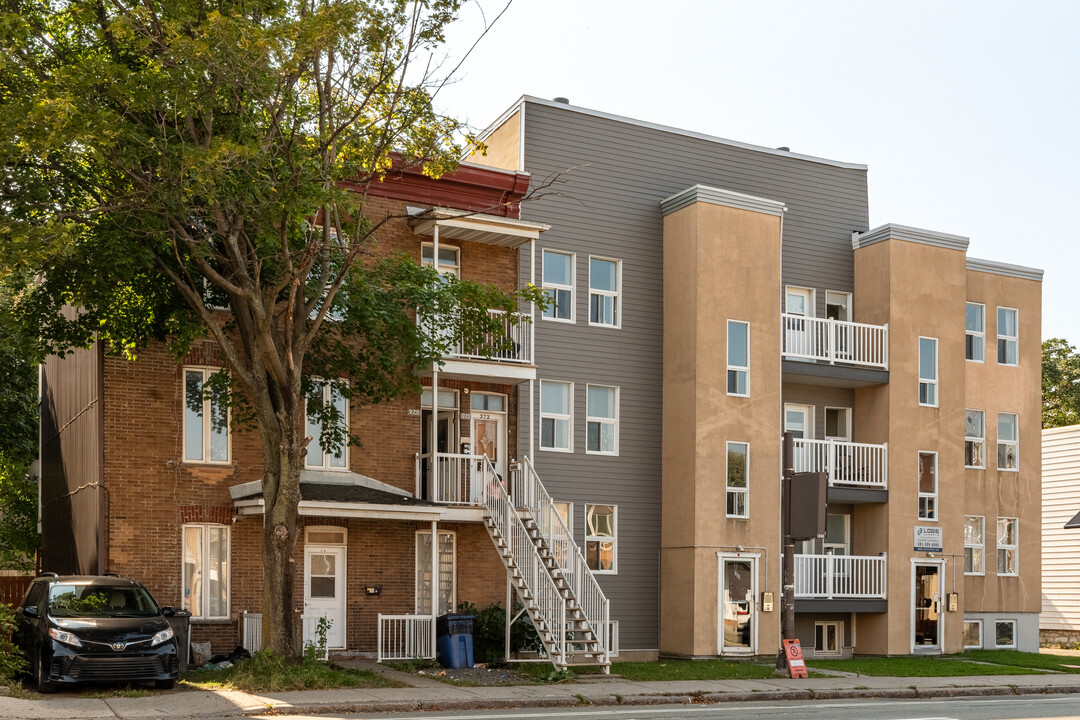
(974, 438)
(738, 358)
(566, 513)
(828, 637)
(605, 282)
(928, 371)
(556, 415)
(449, 258)
(601, 532)
(974, 545)
(558, 283)
(1004, 633)
(972, 634)
(928, 509)
(975, 338)
(1007, 546)
(601, 420)
(1007, 336)
(326, 453)
(1008, 441)
(206, 419)
(447, 572)
(738, 490)
(205, 576)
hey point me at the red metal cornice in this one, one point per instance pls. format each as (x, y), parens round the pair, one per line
(472, 188)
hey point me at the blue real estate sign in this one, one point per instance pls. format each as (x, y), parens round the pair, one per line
(927, 539)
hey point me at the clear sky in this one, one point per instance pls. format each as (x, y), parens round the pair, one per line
(966, 112)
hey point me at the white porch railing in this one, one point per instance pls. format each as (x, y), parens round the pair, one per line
(459, 478)
(846, 463)
(512, 345)
(834, 341)
(840, 576)
(530, 493)
(404, 637)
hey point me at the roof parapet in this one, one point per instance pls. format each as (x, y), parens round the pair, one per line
(909, 234)
(719, 196)
(1000, 268)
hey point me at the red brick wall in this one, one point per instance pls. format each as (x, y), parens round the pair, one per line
(152, 492)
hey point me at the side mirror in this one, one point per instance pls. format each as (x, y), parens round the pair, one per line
(30, 611)
(168, 611)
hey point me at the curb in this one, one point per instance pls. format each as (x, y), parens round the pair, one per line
(632, 700)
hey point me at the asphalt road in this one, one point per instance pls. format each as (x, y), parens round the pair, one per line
(1056, 707)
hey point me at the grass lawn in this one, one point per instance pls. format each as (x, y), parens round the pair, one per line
(1025, 659)
(266, 672)
(914, 666)
(694, 670)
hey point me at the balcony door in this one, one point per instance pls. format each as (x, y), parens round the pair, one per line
(737, 632)
(799, 421)
(798, 333)
(445, 444)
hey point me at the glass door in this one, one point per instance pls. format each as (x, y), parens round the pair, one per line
(737, 631)
(927, 594)
(798, 333)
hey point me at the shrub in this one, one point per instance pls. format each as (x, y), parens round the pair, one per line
(12, 661)
(489, 632)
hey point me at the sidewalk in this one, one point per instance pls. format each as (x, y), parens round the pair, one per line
(434, 695)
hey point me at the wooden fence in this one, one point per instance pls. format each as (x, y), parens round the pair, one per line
(12, 588)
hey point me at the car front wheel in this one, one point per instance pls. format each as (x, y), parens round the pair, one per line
(43, 685)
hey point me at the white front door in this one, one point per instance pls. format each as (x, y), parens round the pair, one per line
(489, 438)
(798, 334)
(737, 632)
(324, 593)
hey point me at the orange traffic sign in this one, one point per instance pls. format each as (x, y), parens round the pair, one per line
(796, 664)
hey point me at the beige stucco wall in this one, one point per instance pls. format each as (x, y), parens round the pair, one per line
(720, 263)
(503, 146)
(991, 493)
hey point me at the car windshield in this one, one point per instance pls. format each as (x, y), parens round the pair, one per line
(100, 601)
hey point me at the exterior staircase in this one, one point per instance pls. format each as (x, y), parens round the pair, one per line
(547, 569)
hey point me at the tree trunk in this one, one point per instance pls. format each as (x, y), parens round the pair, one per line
(282, 610)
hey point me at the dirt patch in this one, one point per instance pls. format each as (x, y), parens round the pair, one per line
(481, 676)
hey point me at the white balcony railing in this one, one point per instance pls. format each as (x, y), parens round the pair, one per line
(840, 576)
(846, 463)
(834, 341)
(460, 479)
(405, 637)
(512, 345)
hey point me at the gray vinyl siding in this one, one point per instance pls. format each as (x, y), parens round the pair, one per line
(608, 204)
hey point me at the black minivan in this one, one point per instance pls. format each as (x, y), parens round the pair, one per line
(89, 628)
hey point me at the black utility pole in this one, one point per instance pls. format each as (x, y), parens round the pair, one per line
(787, 594)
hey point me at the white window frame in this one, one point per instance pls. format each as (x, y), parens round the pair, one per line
(930, 383)
(931, 498)
(847, 304)
(1014, 443)
(616, 296)
(977, 623)
(744, 369)
(327, 396)
(614, 422)
(204, 563)
(736, 491)
(981, 546)
(847, 413)
(417, 570)
(206, 371)
(614, 539)
(979, 335)
(568, 519)
(1003, 621)
(839, 628)
(1014, 339)
(975, 440)
(1014, 548)
(557, 417)
(443, 269)
(810, 295)
(546, 285)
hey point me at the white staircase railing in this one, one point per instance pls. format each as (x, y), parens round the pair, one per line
(459, 478)
(542, 594)
(530, 493)
(840, 576)
(405, 637)
(846, 463)
(834, 341)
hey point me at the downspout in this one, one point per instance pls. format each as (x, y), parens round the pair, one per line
(532, 341)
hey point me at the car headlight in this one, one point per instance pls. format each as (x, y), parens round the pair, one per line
(65, 637)
(161, 637)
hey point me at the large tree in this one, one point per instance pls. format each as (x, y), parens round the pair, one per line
(1060, 384)
(178, 168)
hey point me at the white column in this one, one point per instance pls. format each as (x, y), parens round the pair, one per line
(434, 460)
(434, 583)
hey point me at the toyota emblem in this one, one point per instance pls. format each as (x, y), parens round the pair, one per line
(118, 646)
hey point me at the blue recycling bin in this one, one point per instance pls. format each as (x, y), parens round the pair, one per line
(455, 640)
(456, 651)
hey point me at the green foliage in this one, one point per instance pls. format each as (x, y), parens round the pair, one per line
(267, 671)
(73, 604)
(1016, 658)
(12, 662)
(489, 632)
(1060, 384)
(317, 650)
(19, 538)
